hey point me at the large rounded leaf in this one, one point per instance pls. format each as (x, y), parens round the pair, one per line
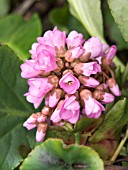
(55, 155)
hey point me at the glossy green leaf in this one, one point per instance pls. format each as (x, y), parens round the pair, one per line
(65, 21)
(14, 110)
(20, 34)
(88, 12)
(119, 11)
(105, 138)
(55, 155)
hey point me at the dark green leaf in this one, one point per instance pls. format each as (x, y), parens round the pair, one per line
(14, 110)
(55, 155)
(20, 34)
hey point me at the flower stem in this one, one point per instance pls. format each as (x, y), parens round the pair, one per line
(119, 147)
(77, 137)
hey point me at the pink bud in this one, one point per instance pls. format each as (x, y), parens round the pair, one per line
(109, 55)
(29, 126)
(93, 46)
(88, 81)
(69, 83)
(74, 39)
(87, 68)
(40, 136)
(104, 97)
(113, 86)
(53, 97)
(55, 117)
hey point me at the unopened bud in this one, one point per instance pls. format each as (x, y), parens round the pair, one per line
(113, 86)
(42, 127)
(88, 81)
(45, 111)
(103, 96)
(78, 67)
(85, 57)
(53, 97)
(102, 87)
(84, 94)
(54, 80)
(60, 65)
(107, 59)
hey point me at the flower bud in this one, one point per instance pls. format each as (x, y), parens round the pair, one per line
(113, 86)
(107, 59)
(84, 94)
(88, 81)
(87, 68)
(54, 80)
(53, 97)
(45, 111)
(102, 87)
(104, 97)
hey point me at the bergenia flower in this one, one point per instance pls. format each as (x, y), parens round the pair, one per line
(74, 79)
(68, 109)
(38, 88)
(69, 83)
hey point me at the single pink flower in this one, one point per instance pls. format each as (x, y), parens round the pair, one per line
(88, 81)
(39, 87)
(46, 61)
(55, 38)
(87, 68)
(70, 110)
(69, 83)
(53, 97)
(28, 69)
(94, 46)
(74, 39)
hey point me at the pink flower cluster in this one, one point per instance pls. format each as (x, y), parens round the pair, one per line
(75, 77)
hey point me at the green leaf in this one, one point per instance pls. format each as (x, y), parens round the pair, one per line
(88, 12)
(4, 7)
(87, 124)
(55, 155)
(105, 138)
(14, 110)
(119, 11)
(20, 34)
(65, 21)
(113, 31)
